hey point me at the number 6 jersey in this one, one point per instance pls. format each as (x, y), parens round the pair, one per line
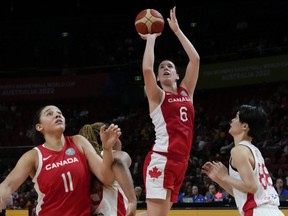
(266, 195)
(62, 182)
(174, 124)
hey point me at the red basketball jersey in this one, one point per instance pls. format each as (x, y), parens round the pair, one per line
(174, 123)
(62, 182)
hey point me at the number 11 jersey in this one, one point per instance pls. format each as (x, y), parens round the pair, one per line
(62, 181)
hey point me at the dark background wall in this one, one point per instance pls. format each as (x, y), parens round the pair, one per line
(64, 37)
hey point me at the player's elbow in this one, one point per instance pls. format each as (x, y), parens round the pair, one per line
(252, 189)
(195, 60)
(108, 180)
(147, 69)
(117, 163)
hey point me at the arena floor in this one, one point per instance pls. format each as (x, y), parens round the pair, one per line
(210, 212)
(178, 212)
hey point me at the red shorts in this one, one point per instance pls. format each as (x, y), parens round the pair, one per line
(161, 172)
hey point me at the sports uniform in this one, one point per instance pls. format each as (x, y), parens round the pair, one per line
(165, 165)
(265, 201)
(111, 201)
(62, 181)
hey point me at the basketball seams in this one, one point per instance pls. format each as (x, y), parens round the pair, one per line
(149, 21)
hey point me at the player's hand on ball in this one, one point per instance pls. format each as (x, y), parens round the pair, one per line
(145, 36)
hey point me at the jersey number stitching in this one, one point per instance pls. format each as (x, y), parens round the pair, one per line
(69, 178)
(183, 114)
(264, 176)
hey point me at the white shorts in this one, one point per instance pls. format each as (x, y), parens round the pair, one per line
(162, 173)
(265, 211)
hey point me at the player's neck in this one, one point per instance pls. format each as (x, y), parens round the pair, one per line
(55, 144)
(173, 89)
(240, 138)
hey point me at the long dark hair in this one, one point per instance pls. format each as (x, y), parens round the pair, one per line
(36, 136)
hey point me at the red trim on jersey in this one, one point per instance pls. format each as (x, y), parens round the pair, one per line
(249, 205)
(121, 211)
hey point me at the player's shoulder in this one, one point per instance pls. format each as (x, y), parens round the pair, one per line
(80, 141)
(77, 138)
(29, 158)
(240, 150)
(32, 153)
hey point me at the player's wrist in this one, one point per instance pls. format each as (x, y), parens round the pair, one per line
(107, 148)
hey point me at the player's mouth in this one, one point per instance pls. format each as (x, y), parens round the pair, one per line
(59, 121)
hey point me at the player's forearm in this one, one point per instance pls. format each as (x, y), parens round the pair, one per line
(240, 185)
(124, 178)
(5, 192)
(226, 186)
(188, 46)
(148, 57)
(107, 172)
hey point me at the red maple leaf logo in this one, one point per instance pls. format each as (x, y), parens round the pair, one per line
(155, 172)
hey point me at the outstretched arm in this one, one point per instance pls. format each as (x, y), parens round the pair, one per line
(24, 167)
(153, 91)
(192, 70)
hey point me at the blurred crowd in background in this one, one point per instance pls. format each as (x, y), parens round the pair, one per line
(65, 38)
(30, 45)
(213, 111)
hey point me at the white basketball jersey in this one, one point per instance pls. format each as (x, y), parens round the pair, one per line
(266, 195)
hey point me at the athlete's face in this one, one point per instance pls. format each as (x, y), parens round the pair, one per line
(167, 72)
(236, 127)
(51, 120)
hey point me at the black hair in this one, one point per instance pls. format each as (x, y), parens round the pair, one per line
(255, 117)
(158, 62)
(36, 136)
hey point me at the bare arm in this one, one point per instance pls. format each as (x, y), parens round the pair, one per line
(101, 168)
(95, 162)
(118, 145)
(209, 169)
(192, 70)
(153, 91)
(24, 168)
(109, 137)
(241, 159)
(123, 176)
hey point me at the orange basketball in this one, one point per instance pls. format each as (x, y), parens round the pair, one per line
(149, 21)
